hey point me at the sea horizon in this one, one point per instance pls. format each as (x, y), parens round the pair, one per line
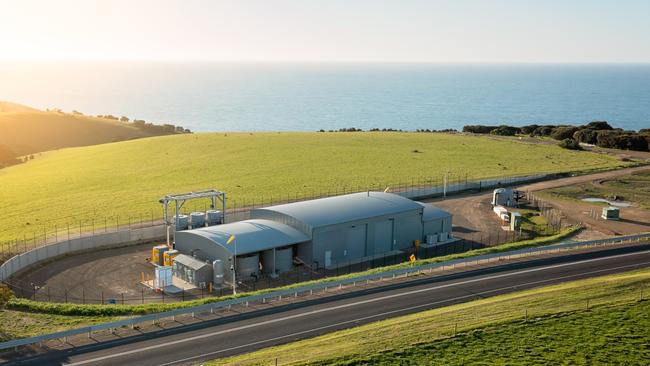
(208, 96)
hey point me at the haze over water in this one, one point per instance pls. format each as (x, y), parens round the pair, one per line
(309, 97)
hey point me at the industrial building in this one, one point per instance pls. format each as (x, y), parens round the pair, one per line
(319, 233)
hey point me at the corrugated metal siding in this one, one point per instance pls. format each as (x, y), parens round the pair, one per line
(264, 214)
(337, 210)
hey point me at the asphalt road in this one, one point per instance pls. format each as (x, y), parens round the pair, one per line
(255, 330)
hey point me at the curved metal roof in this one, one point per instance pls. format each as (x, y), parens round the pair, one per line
(432, 212)
(345, 208)
(251, 236)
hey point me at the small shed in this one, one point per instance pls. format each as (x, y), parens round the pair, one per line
(192, 270)
(611, 213)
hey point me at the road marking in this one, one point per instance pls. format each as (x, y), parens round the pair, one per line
(338, 307)
(475, 294)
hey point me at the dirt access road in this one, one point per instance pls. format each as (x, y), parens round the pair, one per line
(473, 213)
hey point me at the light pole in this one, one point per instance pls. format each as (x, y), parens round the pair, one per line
(234, 265)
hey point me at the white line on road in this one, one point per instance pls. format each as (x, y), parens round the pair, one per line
(338, 307)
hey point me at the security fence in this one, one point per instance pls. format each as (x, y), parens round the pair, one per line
(324, 286)
(95, 232)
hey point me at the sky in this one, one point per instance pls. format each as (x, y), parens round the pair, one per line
(472, 31)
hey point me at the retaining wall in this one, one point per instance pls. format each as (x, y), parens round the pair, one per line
(103, 240)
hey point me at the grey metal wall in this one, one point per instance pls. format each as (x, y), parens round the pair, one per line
(208, 250)
(407, 230)
(373, 236)
(437, 226)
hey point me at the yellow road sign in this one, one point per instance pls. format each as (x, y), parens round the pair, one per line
(412, 258)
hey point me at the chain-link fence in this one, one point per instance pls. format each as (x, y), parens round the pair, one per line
(93, 224)
(149, 228)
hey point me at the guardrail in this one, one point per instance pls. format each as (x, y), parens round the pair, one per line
(324, 286)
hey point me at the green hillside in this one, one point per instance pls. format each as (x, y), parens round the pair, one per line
(28, 132)
(600, 320)
(127, 178)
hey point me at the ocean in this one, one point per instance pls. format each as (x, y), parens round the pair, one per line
(309, 97)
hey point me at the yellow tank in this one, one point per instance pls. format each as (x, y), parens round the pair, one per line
(157, 254)
(168, 257)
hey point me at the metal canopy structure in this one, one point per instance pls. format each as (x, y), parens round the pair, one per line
(179, 200)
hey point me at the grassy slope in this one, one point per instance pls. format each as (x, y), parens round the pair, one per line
(128, 178)
(19, 324)
(559, 329)
(8, 107)
(617, 335)
(31, 131)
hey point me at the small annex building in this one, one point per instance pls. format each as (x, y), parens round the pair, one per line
(320, 233)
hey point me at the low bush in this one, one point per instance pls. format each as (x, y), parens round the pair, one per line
(5, 295)
(598, 125)
(586, 136)
(505, 131)
(564, 132)
(479, 129)
(527, 130)
(543, 130)
(570, 144)
(616, 139)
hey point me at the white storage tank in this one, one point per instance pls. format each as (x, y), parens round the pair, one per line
(432, 238)
(217, 273)
(197, 219)
(182, 222)
(247, 266)
(214, 217)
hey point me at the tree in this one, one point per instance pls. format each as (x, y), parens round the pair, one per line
(124, 119)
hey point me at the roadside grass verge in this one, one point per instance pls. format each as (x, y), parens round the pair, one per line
(119, 183)
(601, 319)
(18, 324)
(28, 305)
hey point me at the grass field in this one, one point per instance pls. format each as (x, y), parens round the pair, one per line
(599, 320)
(114, 181)
(633, 188)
